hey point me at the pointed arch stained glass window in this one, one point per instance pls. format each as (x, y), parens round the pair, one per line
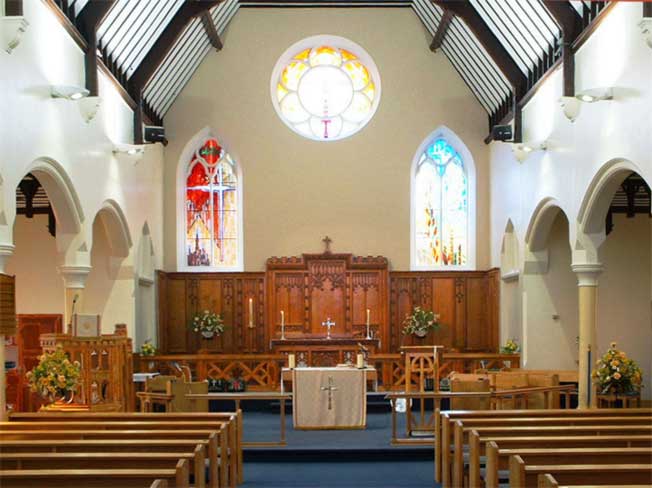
(211, 208)
(441, 207)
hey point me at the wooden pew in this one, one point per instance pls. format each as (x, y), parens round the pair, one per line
(35, 460)
(521, 474)
(123, 435)
(549, 481)
(460, 439)
(460, 432)
(159, 484)
(498, 459)
(234, 420)
(94, 478)
(443, 433)
(613, 449)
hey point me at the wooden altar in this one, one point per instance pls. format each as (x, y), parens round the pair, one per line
(319, 352)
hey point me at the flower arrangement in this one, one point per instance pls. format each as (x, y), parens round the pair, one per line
(207, 323)
(510, 347)
(147, 349)
(616, 373)
(55, 375)
(420, 322)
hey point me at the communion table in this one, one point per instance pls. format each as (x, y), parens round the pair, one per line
(329, 398)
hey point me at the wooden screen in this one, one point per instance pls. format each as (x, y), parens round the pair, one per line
(7, 304)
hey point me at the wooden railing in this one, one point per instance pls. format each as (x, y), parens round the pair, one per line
(260, 372)
(391, 367)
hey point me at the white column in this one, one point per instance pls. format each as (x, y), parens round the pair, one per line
(587, 282)
(74, 280)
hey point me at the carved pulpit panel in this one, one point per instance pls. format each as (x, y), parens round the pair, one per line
(327, 288)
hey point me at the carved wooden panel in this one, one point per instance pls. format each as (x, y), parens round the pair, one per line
(7, 305)
(183, 295)
(477, 336)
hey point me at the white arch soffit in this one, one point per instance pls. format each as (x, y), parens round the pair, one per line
(541, 222)
(116, 227)
(443, 132)
(61, 193)
(598, 197)
(186, 155)
(509, 255)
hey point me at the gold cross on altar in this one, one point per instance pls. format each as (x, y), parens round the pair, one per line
(330, 389)
(327, 242)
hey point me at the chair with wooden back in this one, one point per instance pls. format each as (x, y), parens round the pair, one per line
(474, 386)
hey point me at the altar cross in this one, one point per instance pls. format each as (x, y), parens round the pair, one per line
(328, 324)
(330, 389)
(327, 242)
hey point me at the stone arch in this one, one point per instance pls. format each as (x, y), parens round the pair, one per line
(460, 147)
(536, 235)
(61, 192)
(115, 225)
(598, 197)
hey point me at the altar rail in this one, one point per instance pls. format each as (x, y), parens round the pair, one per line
(262, 372)
(391, 367)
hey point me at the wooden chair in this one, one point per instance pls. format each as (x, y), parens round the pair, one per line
(478, 385)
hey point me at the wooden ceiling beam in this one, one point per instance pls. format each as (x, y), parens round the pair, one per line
(442, 29)
(164, 43)
(211, 31)
(87, 22)
(570, 24)
(488, 39)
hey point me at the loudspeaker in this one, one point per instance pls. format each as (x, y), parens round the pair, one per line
(502, 133)
(155, 134)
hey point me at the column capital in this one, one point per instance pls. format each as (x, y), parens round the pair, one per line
(74, 276)
(587, 273)
(6, 251)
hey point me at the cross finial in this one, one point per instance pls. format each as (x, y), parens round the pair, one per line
(327, 242)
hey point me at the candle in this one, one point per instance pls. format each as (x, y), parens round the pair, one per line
(282, 318)
(251, 312)
(368, 316)
(359, 363)
(292, 361)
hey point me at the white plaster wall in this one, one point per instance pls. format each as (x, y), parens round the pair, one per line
(33, 125)
(39, 287)
(355, 190)
(615, 55)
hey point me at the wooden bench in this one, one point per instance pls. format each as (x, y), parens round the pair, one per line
(498, 459)
(143, 434)
(234, 420)
(520, 431)
(549, 481)
(37, 459)
(521, 474)
(444, 417)
(617, 448)
(95, 478)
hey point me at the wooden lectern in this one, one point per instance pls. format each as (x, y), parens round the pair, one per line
(421, 369)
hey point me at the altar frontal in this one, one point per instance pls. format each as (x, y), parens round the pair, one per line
(329, 398)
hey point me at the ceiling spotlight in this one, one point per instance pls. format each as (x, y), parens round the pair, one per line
(595, 95)
(68, 92)
(523, 150)
(12, 28)
(129, 149)
(88, 107)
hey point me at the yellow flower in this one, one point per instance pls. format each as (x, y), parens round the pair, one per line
(615, 363)
(617, 376)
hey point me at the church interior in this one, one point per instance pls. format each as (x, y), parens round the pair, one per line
(338, 243)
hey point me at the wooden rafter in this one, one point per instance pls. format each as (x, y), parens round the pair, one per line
(488, 39)
(570, 24)
(87, 22)
(164, 43)
(442, 28)
(211, 31)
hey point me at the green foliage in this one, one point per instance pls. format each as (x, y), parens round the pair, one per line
(207, 321)
(54, 375)
(420, 321)
(147, 349)
(616, 373)
(510, 347)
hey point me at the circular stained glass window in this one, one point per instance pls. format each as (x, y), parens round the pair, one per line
(325, 88)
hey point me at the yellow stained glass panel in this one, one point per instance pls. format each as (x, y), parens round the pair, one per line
(325, 55)
(358, 74)
(280, 92)
(347, 55)
(292, 74)
(303, 55)
(370, 90)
